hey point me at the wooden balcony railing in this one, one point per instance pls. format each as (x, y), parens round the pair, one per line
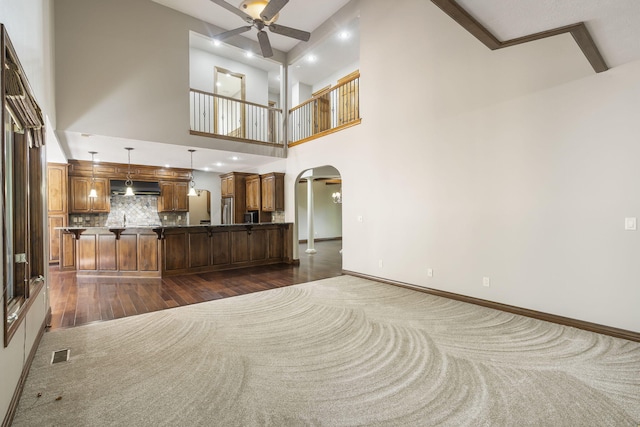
(334, 109)
(228, 118)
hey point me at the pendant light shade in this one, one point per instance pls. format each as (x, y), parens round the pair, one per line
(128, 183)
(92, 192)
(192, 183)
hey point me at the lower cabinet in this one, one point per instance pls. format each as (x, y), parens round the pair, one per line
(129, 253)
(211, 248)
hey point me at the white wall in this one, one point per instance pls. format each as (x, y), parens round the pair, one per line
(327, 220)
(28, 25)
(202, 64)
(210, 181)
(518, 164)
(122, 70)
(332, 80)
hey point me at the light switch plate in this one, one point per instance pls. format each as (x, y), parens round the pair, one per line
(630, 224)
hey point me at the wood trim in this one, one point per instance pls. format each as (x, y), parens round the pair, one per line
(236, 139)
(120, 170)
(326, 132)
(322, 239)
(579, 32)
(553, 318)
(15, 399)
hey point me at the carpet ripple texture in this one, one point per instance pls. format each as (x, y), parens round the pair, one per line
(337, 352)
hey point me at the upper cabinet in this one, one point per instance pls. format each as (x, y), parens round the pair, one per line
(253, 192)
(79, 200)
(57, 189)
(272, 192)
(173, 197)
(227, 185)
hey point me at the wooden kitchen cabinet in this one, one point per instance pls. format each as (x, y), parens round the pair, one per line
(173, 197)
(57, 207)
(227, 185)
(79, 200)
(253, 192)
(233, 185)
(272, 192)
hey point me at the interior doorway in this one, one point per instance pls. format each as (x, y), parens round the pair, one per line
(318, 208)
(228, 113)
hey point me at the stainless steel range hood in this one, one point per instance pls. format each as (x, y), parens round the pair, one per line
(140, 188)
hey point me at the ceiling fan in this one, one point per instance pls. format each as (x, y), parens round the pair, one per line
(260, 14)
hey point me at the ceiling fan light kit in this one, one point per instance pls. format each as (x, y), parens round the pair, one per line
(260, 14)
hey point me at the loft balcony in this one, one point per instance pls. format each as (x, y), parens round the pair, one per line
(329, 110)
(224, 117)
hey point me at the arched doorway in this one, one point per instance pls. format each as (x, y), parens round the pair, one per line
(318, 198)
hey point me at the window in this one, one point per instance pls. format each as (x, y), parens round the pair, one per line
(22, 193)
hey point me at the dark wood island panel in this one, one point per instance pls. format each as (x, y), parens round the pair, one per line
(130, 252)
(170, 251)
(212, 248)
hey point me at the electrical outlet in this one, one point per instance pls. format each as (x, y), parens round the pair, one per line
(380, 263)
(486, 282)
(360, 218)
(429, 272)
(179, 217)
(165, 217)
(630, 224)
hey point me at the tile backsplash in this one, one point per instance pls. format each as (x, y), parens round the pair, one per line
(139, 211)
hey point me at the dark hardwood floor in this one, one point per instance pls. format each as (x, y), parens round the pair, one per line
(77, 301)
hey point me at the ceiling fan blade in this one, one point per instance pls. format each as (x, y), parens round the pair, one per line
(227, 34)
(231, 8)
(290, 32)
(265, 46)
(272, 8)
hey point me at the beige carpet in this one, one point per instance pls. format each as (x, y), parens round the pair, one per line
(341, 351)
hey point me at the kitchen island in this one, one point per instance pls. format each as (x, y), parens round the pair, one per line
(172, 250)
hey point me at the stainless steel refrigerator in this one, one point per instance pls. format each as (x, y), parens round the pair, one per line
(227, 210)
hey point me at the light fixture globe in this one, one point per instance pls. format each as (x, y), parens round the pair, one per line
(254, 8)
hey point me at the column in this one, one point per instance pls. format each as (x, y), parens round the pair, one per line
(310, 232)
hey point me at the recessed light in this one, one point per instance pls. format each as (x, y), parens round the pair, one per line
(344, 35)
(311, 58)
(235, 158)
(167, 165)
(249, 54)
(219, 164)
(217, 42)
(206, 169)
(218, 84)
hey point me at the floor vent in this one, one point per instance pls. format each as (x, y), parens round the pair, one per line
(60, 356)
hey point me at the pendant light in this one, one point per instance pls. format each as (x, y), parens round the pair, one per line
(128, 183)
(92, 192)
(192, 184)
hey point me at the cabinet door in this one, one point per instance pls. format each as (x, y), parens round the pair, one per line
(181, 200)
(253, 193)
(57, 189)
(165, 201)
(227, 186)
(224, 186)
(273, 195)
(79, 194)
(101, 203)
(55, 236)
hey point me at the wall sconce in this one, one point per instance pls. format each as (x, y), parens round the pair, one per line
(192, 183)
(128, 183)
(92, 192)
(337, 197)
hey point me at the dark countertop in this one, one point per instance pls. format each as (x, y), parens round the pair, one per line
(151, 227)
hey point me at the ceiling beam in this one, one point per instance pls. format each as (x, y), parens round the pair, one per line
(579, 32)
